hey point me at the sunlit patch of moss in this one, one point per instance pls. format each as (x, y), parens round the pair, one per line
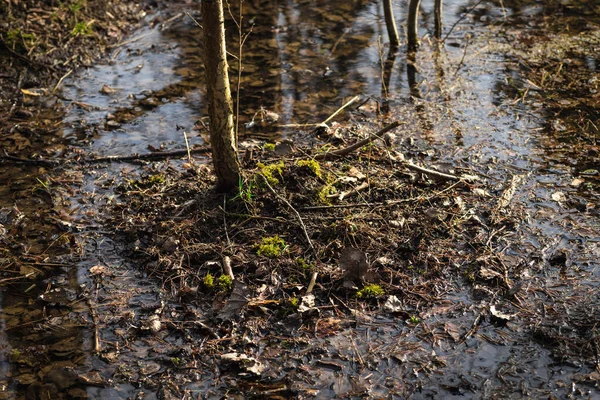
(156, 179)
(175, 361)
(294, 302)
(82, 28)
(370, 291)
(271, 247)
(225, 282)
(14, 355)
(17, 39)
(324, 193)
(270, 170)
(209, 281)
(269, 146)
(312, 165)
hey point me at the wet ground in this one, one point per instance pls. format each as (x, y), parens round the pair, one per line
(512, 94)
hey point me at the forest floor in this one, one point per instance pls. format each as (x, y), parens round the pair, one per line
(332, 259)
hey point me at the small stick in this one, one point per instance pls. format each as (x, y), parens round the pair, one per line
(339, 110)
(60, 81)
(431, 172)
(313, 281)
(187, 146)
(464, 15)
(350, 192)
(225, 225)
(97, 346)
(347, 150)
(227, 267)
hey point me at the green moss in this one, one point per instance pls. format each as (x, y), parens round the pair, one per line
(312, 165)
(271, 247)
(269, 171)
(82, 28)
(14, 355)
(225, 282)
(294, 302)
(209, 281)
(76, 7)
(302, 263)
(175, 361)
(269, 146)
(370, 291)
(324, 192)
(18, 40)
(156, 178)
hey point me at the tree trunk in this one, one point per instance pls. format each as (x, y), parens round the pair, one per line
(220, 106)
(390, 23)
(437, 9)
(412, 25)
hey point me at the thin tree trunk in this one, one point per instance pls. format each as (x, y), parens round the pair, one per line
(437, 9)
(220, 106)
(390, 23)
(412, 25)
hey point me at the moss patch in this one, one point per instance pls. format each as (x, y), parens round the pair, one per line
(271, 247)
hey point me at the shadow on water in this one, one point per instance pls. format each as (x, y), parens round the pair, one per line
(473, 102)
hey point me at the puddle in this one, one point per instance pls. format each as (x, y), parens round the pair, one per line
(471, 104)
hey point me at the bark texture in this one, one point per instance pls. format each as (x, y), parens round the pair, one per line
(437, 10)
(390, 23)
(412, 25)
(220, 106)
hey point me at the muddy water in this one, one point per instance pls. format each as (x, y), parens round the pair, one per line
(470, 104)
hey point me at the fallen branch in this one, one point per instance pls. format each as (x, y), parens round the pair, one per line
(347, 150)
(386, 203)
(158, 155)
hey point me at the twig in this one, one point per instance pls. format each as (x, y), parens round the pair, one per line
(431, 172)
(97, 346)
(339, 110)
(460, 19)
(470, 332)
(187, 147)
(350, 192)
(313, 281)
(227, 267)
(335, 45)
(347, 150)
(462, 60)
(45, 163)
(225, 221)
(382, 204)
(132, 40)
(28, 60)
(60, 81)
(298, 217)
